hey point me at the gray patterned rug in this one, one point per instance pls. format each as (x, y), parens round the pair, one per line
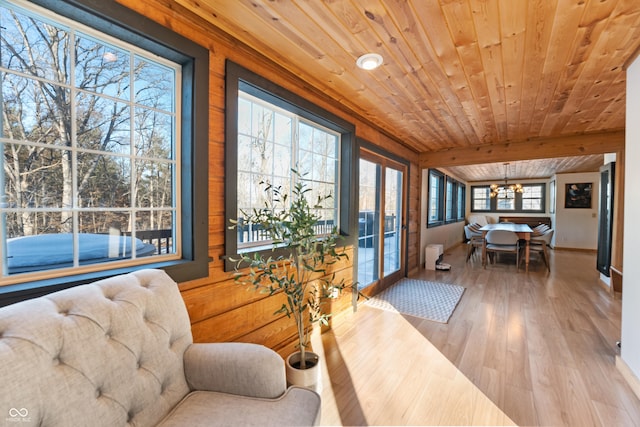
(428, 300)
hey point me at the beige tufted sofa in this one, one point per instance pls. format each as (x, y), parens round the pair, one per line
(119, 352)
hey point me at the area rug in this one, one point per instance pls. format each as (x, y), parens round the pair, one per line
(420, 298)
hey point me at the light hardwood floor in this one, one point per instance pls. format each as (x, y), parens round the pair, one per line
(526, 349)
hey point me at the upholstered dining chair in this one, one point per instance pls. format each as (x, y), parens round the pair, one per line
(502, 241)
(540, 244)
(540, 229)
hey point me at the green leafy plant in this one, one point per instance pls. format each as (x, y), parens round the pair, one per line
(302, 272)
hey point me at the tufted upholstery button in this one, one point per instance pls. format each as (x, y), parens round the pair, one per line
(64, 312)
(98, 393)
(130, 415)
(56, 360)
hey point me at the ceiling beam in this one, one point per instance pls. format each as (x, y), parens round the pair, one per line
(543, 148)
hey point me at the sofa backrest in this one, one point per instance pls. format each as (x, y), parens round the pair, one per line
(104, 354)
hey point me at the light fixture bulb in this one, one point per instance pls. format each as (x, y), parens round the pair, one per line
(506, 190)
(369, 61)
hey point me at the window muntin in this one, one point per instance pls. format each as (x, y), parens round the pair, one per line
(272, 141)
(91, 146)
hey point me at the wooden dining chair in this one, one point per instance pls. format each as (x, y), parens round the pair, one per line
(502, 241)
(540, 244)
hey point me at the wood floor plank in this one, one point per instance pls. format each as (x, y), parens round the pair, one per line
(610, 415)
(520, 405)
(533, 348)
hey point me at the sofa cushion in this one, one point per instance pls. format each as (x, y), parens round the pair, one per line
(209, 409)
(107, 353)
(240, 368)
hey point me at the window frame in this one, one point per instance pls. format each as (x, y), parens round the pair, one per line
(461, 201)
(450, 200)
(458, 206)
(238, 77)
(457, 188)
(493, 203)
(434, 174)
(473, 198)
(297, 150)
(118, 21)
(542, 198)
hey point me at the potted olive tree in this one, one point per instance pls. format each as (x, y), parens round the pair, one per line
(300, 269)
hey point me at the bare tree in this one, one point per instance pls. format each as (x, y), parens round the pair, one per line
(66, 102)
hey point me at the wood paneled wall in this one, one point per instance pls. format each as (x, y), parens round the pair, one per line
(221, 310)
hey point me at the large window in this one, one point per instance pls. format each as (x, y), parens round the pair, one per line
(272, 141)
(271, 131)
(460, 206)
(94, 134)
(532, 199)
(480, 199)
(450, 200)
(436, 198)
(446, 199)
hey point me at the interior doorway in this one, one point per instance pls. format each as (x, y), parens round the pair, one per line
(381, 222)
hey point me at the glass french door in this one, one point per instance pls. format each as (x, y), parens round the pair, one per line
(381, 230)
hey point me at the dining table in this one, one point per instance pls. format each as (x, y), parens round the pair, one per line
(522, 230)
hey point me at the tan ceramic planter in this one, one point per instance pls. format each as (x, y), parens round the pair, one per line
(309, 377)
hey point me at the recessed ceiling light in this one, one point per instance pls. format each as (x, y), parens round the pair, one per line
(369, 61)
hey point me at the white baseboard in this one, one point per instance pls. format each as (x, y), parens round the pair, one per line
(628, 375)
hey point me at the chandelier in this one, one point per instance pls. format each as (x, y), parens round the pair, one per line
(506, 190)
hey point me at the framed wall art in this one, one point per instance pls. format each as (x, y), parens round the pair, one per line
(578, 195)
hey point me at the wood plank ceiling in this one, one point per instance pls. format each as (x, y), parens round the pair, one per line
(456, 73)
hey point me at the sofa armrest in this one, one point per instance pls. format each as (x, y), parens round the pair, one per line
(237, 368)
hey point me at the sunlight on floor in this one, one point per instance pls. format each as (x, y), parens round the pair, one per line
(383, 399)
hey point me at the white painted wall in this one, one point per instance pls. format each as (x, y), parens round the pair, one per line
(576, 228)
(630, 352)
